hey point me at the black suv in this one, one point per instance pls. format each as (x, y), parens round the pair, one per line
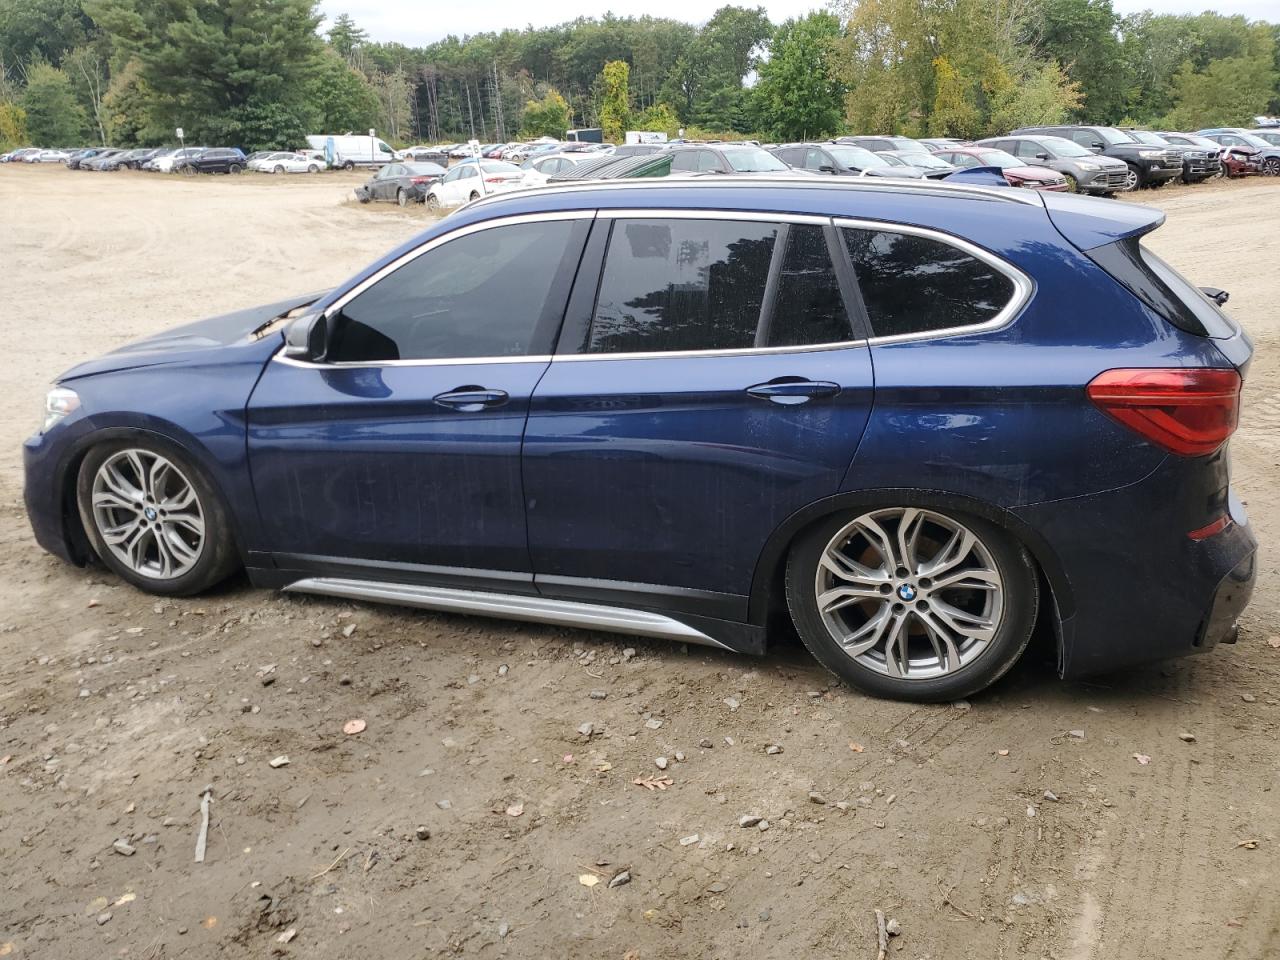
(1198, 163)
(1148, 166)
(213, 160)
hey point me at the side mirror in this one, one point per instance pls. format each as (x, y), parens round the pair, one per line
(1098, 145)
(827, 168)
(1220, 297)
(1042, 156)
(307, 338)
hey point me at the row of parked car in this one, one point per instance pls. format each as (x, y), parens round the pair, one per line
(185, 160)
(1097, 160)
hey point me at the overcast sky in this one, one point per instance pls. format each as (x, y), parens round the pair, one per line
(416, 24)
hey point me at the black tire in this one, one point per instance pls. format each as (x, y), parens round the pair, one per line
(1021, 602)
(349, 165)
(1271, 167)
(363, 197)
(218, 558)
(314, 168)
(187, 170)
(234, 168)
(402, 198)
(474, 196)
(1073, 185)
(433, 203)
(1136, 179)
(278, 169)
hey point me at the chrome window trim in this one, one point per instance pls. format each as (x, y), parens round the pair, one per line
(689, 213)
(1023, 286)
(407, 258)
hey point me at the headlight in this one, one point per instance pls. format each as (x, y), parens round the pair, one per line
(1149, 154)
(1086, 165)
(59, 403)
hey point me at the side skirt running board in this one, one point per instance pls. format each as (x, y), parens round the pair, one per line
(565, 613)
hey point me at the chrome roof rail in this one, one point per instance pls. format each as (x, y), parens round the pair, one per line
(854, 184)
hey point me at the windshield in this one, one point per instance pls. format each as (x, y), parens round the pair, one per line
(753, 160)
(998, 158)
(1112, 135)
(1066, 148)
(924, 160)
(1270, 137)
(498, 166)
(1146, 136)
(858, 158)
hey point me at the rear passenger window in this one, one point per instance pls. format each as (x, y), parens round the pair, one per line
(809, 309)
(912, 284)
(682, 285)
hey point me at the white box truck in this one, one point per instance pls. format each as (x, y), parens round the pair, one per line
(350, 150)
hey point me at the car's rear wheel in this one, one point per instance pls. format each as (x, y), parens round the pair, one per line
(188, 170)
(278, 169)
(402, 198)
(235, 168)
(153, 518)
(349, 165)
(474, 196)
(433, 203)
(313, 168)
(912, 603)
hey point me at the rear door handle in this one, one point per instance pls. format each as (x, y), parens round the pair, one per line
(790, 391)
(471, 398)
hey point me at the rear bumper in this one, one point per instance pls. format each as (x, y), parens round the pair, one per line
(1141, 589)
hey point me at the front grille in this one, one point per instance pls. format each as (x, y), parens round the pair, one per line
(1116, 178)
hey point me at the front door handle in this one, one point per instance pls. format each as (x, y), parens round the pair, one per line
(470, 399)
(790, 391)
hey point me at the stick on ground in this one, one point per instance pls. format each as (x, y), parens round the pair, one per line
(202, 838)
(882, 936)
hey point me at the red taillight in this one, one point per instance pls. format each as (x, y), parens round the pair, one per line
(1211, 529)
(495, 179)
(419, 179)
(1189, 411)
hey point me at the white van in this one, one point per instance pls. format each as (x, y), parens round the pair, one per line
(350, 150)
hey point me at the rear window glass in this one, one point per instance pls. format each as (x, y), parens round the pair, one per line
(1162, 288)
(912, 284)
(682, 285)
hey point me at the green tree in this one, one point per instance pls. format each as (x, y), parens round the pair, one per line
(221, 70)
(127, 108)
(54, 118)
(341, 98)
(547, 116)
(41, 29)
(705, 84)
(660, 118)
(346, 36)
(1228, 92)
(1042, 97)
(13, 126)
(798, 94)
(615, 100)
(1081, 35)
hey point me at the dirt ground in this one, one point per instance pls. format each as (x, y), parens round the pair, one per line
(992, 829)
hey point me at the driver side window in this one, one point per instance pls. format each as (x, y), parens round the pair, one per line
(498, 292)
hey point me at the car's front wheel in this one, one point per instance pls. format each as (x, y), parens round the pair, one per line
(912, 603)
(1272, 167)
(433, 203)
(1132, 179)
(153, 518)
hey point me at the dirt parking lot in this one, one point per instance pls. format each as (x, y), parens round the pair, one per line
(471, 817)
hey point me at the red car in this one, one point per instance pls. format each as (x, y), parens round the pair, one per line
(1015, 171)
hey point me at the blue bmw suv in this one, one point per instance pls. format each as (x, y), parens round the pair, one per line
(913, 420)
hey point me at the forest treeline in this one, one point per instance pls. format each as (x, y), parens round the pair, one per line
(262, 73)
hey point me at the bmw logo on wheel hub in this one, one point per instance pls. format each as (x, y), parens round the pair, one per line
(907, 592)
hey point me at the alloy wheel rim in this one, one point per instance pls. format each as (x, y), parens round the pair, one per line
(148, 514)
(1131, 180)
(909, 594)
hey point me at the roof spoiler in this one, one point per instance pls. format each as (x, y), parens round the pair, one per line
(1089, 222)
(979, 176)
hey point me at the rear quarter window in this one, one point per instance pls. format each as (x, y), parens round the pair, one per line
(915, 285)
